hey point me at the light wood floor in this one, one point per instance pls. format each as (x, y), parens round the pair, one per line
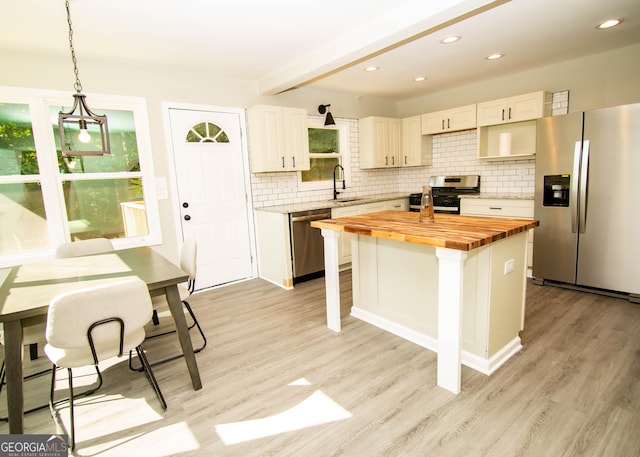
(277, 382)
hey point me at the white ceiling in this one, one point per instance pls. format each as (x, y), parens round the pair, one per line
(282, 44)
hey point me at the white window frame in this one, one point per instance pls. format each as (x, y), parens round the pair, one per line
(345, 154)
(40, 102)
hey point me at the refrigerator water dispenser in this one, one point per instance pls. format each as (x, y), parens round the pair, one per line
(556, 190)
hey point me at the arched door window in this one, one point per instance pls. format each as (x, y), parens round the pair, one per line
(206, 132)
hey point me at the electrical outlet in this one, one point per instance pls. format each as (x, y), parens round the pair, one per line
(509, 265)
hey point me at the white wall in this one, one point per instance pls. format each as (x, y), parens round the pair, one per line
(602, 80)
(596, 81)
(160, 84)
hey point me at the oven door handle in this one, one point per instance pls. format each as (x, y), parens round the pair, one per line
(447, 209)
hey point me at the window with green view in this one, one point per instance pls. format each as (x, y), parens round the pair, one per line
(47, 198)
(328, 147)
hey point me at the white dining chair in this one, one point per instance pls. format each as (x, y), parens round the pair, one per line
(84, 247)
(34, 327)
(87, 326)
(188, 261)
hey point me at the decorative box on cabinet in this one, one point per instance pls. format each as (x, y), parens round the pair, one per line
(450, 120)
(416, 147)
(380, 140)
(278, 138)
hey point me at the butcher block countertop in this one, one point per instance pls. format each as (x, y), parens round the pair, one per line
(462, 233)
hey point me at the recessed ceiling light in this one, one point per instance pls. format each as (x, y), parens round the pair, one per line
(450, 39)
(495, 56)
(371, 68)
(609, 23)
(419, 78)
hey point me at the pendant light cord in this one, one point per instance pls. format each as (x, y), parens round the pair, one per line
(77, 86)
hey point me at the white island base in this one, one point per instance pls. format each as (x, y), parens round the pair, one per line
(467, 306)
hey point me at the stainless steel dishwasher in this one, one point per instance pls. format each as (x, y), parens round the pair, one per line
(307, 244)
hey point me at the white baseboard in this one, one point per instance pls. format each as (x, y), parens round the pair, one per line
(485, 366)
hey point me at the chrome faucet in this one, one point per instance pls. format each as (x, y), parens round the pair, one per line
(344, 186)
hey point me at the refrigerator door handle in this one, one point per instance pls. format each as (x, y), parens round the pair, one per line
(577, 152)
(584, 183)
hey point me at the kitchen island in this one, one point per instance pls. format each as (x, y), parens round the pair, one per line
(456, 286)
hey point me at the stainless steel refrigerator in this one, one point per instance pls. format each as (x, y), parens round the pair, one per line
(587, 199)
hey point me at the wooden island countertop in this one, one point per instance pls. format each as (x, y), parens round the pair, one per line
(462, 233)
(414, 279)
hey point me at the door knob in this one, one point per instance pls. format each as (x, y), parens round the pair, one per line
(185, 205)
(187, 217)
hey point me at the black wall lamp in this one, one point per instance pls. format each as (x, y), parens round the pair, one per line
(329, 119)
(82, 124)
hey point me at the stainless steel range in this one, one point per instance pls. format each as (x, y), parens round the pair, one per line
(446, 191)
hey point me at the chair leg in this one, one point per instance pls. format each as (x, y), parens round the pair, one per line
(175, 357)
(2, 375)
(150, 376)
(156, 321)
(52, 403)
(197, 324)
(33, 351)
(72, 435)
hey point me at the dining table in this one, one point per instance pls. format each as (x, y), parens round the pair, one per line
(26, 291)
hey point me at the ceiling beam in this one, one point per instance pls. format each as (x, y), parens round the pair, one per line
(362, 43)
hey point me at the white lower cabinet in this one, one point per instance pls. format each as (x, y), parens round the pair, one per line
(273, 241)
(501, 207)
(344, 245)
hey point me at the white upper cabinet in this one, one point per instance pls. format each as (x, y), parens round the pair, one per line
(278, 138)
(416, 148)
(450, 120)
(380, 140)
(507, 127)
(514, 109)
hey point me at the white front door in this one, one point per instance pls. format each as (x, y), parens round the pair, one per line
(207, 149)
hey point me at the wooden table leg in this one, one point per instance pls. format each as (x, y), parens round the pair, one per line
(332, 278)
(13, 365)
(175, 306)
(450, 286)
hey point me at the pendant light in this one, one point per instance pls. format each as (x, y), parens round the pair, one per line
(81, 131)
(329, 119)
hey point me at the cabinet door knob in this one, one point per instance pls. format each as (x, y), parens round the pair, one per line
(187, 217)
(185, 205)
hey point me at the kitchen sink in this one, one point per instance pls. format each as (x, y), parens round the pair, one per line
(345, 200)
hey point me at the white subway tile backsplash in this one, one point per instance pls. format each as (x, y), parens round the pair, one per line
(560, 103)
(453, 153)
